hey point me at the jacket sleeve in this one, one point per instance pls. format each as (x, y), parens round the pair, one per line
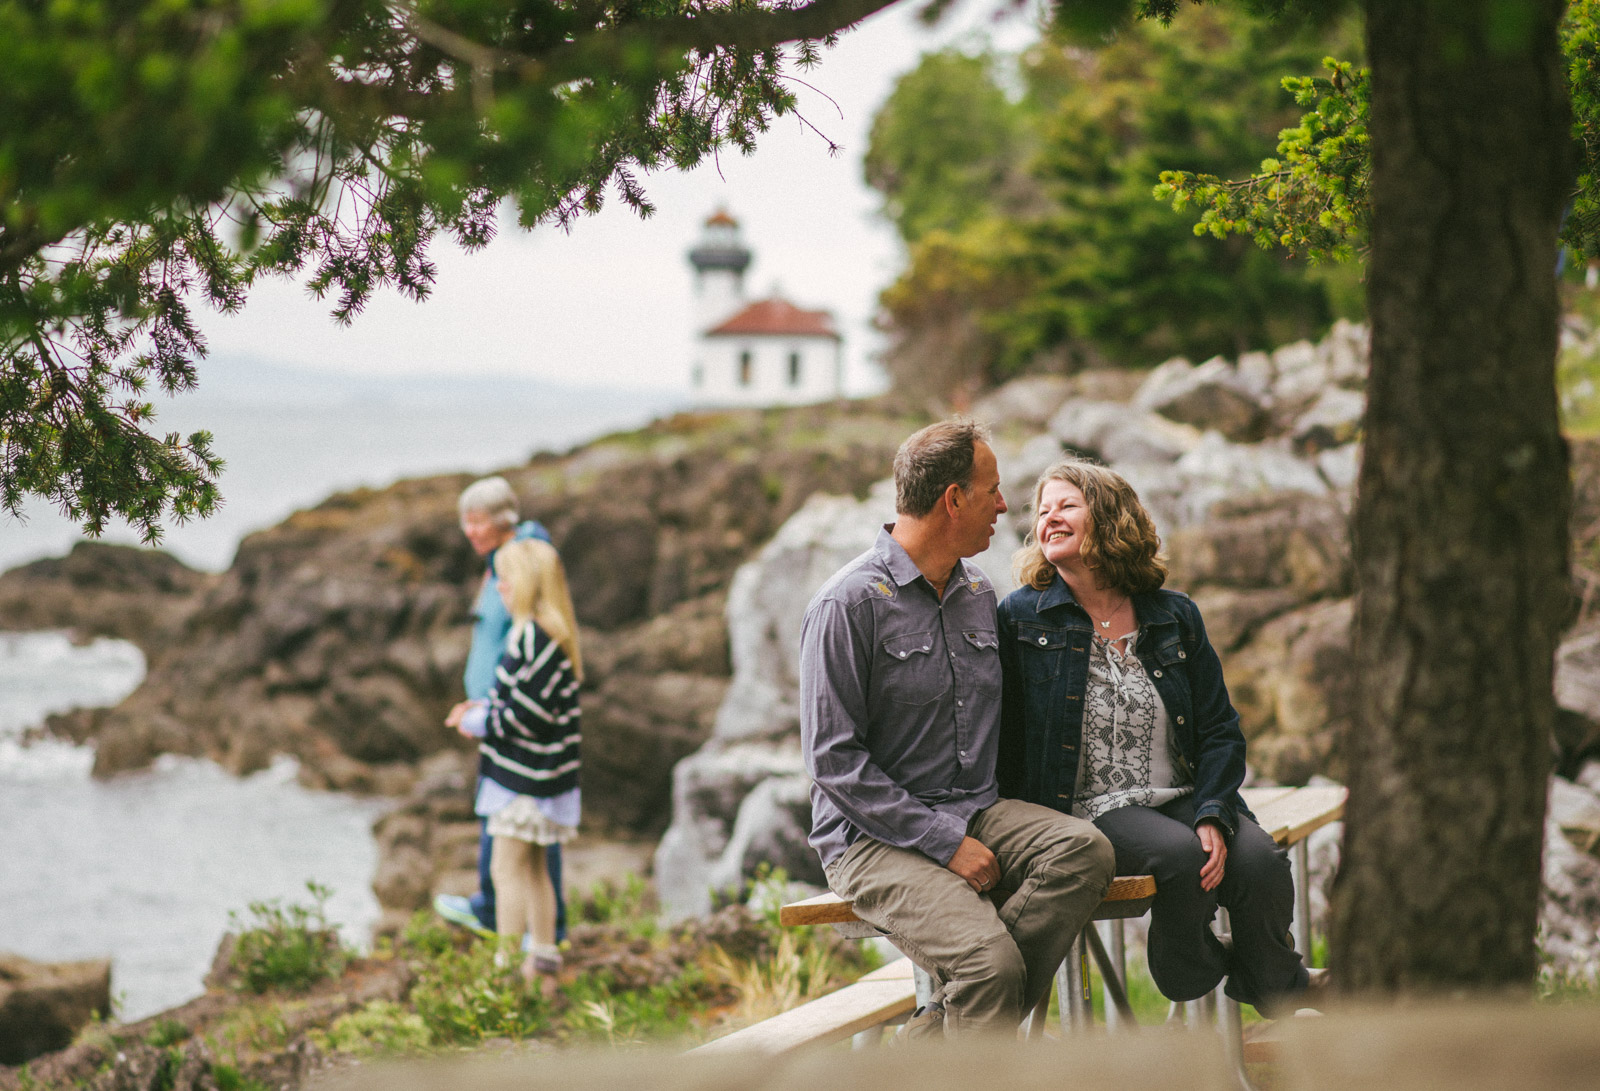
(1219, 766)
(1011, 765)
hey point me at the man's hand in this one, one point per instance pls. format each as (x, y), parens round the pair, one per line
(456, 714)
(1216, 846)
(976, 864)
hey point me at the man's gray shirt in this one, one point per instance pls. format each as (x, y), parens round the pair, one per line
(899, 704)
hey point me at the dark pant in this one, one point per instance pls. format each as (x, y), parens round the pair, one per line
(483, 901)
(1257, 889)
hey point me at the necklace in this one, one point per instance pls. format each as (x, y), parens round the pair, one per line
(1106, 624)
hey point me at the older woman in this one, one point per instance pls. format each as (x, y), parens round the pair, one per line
(1115, 711)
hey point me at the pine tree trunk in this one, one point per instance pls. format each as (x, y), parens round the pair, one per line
(1461, 517)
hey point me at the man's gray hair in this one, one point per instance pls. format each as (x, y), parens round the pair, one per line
(932, 460)
(491, 496)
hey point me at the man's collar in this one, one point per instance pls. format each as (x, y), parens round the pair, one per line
(895, 558)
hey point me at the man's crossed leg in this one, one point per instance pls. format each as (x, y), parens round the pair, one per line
(990, 962)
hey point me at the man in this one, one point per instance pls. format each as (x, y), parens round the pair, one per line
(488, 510)
(899, 720)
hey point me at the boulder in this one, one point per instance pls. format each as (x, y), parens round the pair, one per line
(43, 1005)
(1333, 420)
(1295, 692)
(1028, 401)
(1120, 434)
(1300, 373)
(709, 789)
(1345, 354)
(1210, 396)
(1569, 915)
(1290, 541)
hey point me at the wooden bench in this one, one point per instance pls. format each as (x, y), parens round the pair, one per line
(1289, 815)
(886, 995)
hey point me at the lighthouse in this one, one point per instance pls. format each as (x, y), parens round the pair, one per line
(761, 352)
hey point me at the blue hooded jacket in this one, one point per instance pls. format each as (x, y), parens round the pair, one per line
(492, 621)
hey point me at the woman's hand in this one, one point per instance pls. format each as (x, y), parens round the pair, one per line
(456, 714)
(1216, 846)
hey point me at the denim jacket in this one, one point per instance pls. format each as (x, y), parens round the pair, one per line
(1044, 651)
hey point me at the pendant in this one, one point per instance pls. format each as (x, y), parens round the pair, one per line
(1105, 625)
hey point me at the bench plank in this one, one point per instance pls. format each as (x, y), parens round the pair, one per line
(880, 996)
(1292, 818)
(1129, 896)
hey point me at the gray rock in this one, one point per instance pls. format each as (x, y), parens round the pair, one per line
(1120, 434)
(1333, 420)
(1300, 373)
(1256, 374)
(1345, 353)
(1577, 682)
(708, 791)
(1210, 396)
(1028, 401)
(1340, 466)
(1573, 806)
(1569, 917)
(43, 1005)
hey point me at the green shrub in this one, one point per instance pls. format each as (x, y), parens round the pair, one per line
(381, 1027)
(166, 1032)
(287, 947)
(463, 998)
(229, 1078)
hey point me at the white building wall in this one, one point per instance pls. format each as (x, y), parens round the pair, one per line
(769, 379)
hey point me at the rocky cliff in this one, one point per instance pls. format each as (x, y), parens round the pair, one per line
(339, 635)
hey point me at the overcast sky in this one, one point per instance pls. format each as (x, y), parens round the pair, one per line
(609, 302)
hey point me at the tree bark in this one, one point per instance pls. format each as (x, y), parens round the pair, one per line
(1461, 514)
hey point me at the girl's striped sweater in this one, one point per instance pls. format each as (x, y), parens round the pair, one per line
(532, 742)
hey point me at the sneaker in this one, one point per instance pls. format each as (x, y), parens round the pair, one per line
(927, 1022)
(458, 910)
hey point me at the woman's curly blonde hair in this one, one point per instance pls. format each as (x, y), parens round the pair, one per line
(1122, 544)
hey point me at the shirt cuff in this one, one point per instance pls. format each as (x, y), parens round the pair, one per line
(943, 839)
(476, 721)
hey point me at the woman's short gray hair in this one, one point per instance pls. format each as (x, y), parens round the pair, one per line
(491, 496)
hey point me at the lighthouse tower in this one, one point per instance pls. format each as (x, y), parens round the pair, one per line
(719, 261)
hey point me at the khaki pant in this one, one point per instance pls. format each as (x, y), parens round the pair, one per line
(989, 965)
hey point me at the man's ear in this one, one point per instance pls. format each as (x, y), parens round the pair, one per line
(952, 499)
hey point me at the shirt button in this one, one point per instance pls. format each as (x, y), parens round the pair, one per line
(1183, 655)
(1180, 719)
(1158, 674)
(961, 704)
(1042, 640)
(902, 655)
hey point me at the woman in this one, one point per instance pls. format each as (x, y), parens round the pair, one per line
(528, 756)
(1115, 711)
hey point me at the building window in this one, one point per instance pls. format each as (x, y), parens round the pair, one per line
(744, 368)
(794, 369)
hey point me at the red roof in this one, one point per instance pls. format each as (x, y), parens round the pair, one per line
(720, 218)
(777, 317)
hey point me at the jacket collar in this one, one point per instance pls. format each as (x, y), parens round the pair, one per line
(1147, 608)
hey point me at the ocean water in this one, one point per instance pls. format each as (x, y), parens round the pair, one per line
(291, 438)
(146, 868)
